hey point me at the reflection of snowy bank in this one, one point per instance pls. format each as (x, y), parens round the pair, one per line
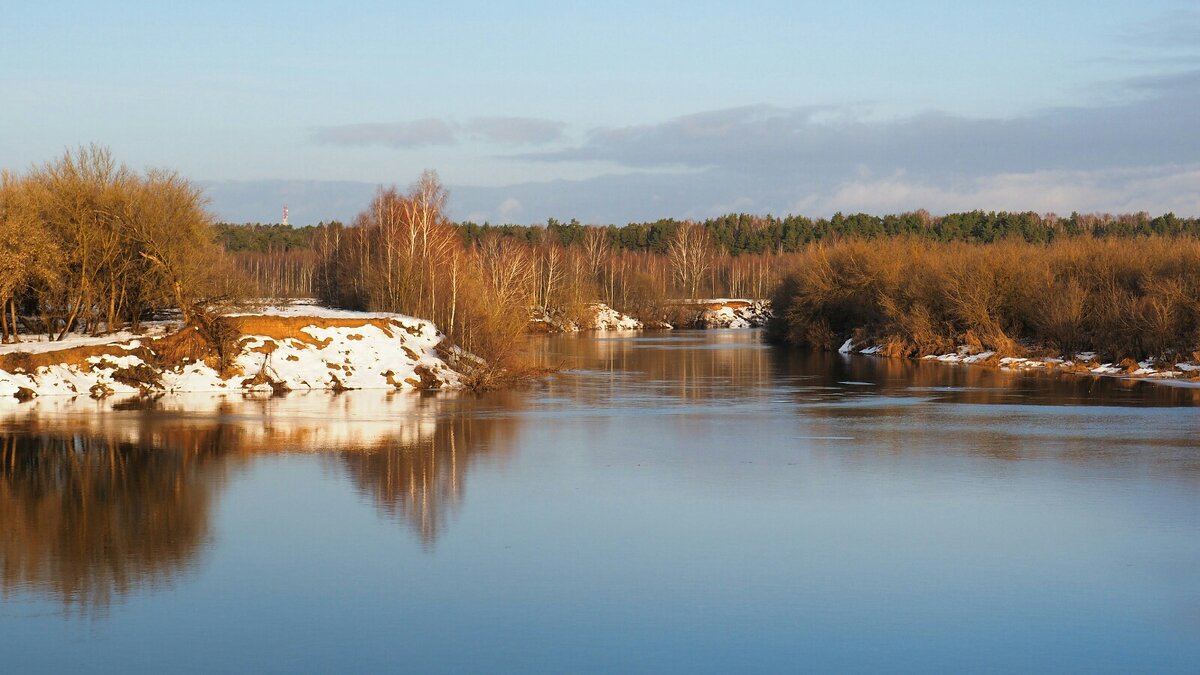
(249, 422)
(103, 499)
(291, 348)
(1083, 363)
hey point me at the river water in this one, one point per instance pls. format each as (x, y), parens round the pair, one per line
(677, 502)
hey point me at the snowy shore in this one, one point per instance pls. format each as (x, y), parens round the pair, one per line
(601, 317)
(1082, 363)
(732, 313)
(705, 313)
(300, 347)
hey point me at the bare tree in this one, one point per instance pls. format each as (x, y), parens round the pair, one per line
(596, 250)
(26, 250)
(174, 234)
(690, 253)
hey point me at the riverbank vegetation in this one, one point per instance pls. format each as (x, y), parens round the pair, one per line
(1119, 297)
(88, 244)
(639, 267)
(1123, 285)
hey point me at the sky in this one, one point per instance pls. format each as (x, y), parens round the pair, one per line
(621, 111)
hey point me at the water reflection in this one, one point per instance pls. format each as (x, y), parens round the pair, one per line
(824, 377)
(99, 500)
(420, 480)
(736, 365)
(89, 519)
(681, 365)
(875, 407)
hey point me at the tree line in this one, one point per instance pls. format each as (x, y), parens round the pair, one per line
(89, 244)
(746, 251)
(742, 233)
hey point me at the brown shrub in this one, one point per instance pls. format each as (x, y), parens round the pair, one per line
(1121, 298)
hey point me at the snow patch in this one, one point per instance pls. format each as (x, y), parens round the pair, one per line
(1083, 362)
(386, 351)
(733, 313)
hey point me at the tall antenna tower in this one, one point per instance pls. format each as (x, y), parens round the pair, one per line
(285, 222)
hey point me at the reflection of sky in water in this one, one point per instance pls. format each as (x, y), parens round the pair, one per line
(678, 507)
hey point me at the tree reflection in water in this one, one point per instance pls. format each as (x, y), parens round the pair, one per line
(99, 502)
(89, 519)
(420, 480)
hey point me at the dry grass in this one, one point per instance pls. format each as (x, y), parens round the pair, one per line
(1121, 298)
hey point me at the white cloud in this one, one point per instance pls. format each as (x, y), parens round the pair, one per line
(1154, 123)
(1128, 190)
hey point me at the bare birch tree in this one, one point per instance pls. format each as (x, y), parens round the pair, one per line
(690, 253)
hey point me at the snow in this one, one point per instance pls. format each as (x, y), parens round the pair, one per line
(1083, 362)
(391, 351)
(746, 313)
(41, 345)
(604, 318)
(608, 318)
(309, 307)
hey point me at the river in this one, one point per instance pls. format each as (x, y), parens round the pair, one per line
(693, 501)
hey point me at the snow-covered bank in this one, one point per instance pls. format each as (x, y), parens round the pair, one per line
(732, 313)
(278, 349)
(711, 313)
(599, 317)
(1082, 363)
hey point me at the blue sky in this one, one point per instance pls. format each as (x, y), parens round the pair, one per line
(618, 111)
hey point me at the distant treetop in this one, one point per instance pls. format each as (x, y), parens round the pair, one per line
(739, 233)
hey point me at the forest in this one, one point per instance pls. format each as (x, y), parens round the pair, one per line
(635, 267)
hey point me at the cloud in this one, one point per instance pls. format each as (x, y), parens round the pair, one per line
(1155, 124)
(632, 197)
(1152, 189)
(1141, 152)
(432, 131)
(516, 130)
(641, 196)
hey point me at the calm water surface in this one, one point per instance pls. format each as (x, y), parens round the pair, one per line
(687, 502)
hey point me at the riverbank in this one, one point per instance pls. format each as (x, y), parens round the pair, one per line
(597, 316)
(691, 313)
(277, 349)
(730, 312)
(1185, 373)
